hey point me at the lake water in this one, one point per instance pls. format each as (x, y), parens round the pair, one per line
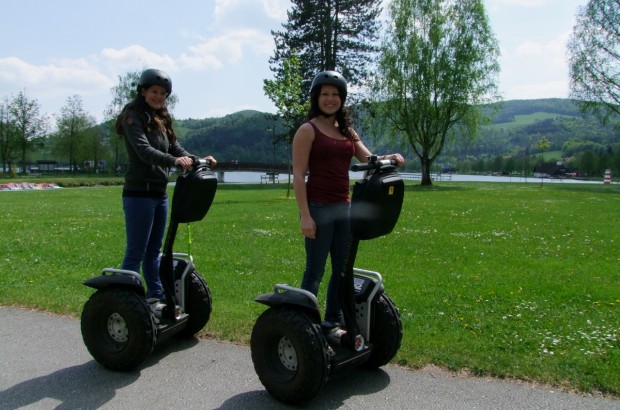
(241, 177)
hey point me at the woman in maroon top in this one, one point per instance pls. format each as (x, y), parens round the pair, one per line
(322, 149)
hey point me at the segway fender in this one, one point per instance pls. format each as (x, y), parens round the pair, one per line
(285, 295)
(116, 278)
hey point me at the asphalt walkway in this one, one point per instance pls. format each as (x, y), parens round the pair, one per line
(45, 365)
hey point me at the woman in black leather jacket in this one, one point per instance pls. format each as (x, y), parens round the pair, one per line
(152, 147)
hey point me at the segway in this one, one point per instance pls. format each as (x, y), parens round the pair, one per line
(118, 327)
(293, 354)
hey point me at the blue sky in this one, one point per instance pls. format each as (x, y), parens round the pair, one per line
(217, 51)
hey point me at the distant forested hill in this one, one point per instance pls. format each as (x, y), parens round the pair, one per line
(520, 124)
(245, 136)
(511, 110)
(517, 127)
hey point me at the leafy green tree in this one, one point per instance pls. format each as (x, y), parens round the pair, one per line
(603, 163)
(7, 136)
(498, 163)
(510, 165)
(122, 93)
(284, 91)
(594, 58)
(615, 160)
(73, 125)
(329, 35)
(29, 126)
(588, 163)
(439, 60)
(542, 144)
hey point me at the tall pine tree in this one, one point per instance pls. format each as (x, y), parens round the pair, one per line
(336, 35)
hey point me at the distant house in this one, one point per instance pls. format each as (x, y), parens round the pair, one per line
(447, 169)
(557, 170)
(46, 166)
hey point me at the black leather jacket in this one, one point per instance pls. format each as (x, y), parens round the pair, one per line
(150, 156)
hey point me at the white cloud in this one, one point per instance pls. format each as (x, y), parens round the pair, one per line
(229, 48)
(54, 79)
(521, 3)
(536, 70)
(273, 9)
(276, 9)
(136, 57)
(546, 57)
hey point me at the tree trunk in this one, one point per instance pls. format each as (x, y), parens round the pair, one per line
(426, 171)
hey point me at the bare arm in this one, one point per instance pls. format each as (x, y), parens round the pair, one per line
(362, 153)
(302, 144)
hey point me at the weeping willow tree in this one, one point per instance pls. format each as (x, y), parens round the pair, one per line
(438, 64)
(594, 59)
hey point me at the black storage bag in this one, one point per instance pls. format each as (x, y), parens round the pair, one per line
(193, 195)
(376, 203)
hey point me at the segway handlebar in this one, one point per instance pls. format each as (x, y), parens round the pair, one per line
(373, 163)
(200, 162)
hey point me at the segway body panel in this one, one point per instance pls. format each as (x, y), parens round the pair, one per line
(118, 327)
(293, 355)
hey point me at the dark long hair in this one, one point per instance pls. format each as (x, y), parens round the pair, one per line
(159, 119)
(343, 118)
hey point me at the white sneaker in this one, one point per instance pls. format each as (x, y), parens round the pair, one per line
(156, 306)
(334, 336)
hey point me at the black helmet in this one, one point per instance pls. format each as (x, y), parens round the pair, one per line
(330, 78)
(155, 77)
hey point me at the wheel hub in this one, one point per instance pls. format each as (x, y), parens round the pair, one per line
(117, 328)
(287, 354)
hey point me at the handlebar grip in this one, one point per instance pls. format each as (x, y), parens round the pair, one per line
(199, 162)
(372, 165)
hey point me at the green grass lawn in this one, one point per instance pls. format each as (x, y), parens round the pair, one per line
(506, 280)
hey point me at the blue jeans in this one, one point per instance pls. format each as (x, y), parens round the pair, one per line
(333, 230)
(145, 225)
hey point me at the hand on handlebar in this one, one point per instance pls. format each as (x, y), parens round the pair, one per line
(184, 162)
(212, 161)
(197, 162)
(377, 162)
(399, 159)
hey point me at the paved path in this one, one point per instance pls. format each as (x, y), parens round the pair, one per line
(44, 365)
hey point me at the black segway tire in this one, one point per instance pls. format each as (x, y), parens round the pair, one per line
(118, 328)
(198, 305)
(386, 332)
(289, 353)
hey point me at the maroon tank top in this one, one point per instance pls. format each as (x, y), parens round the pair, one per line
(328, 166)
